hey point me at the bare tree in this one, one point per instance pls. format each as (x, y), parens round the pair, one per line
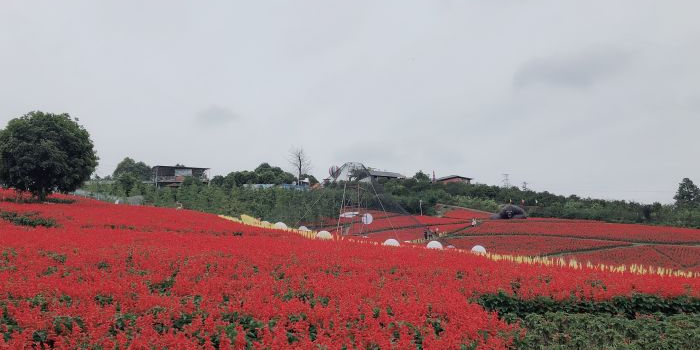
(300, 161)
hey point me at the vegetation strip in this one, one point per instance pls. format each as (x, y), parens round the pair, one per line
(643, 320)
(638, 304)
(567, 331)
(27, 219)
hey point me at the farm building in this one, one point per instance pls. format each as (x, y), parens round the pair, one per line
(454, 178)
(173, 176)
(386, 175)
(359, 171)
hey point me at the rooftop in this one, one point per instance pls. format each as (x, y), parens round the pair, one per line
(380, 173)
(453, 177)
(179, 167)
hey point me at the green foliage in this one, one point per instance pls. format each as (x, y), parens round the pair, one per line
(8, 324)
(43, 152)
(27, 219)
(263, 174)
(312, 179)
(139, 170)
(63, 325)
(127, 182)
(688, 194)
(511, 306)
(563, 331)
(640, 321)
(489, 205)
(420, 176)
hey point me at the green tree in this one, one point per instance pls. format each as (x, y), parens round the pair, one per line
(421, 176)
(140, 170)
(218, 180)
(44, 152)
(128, 182)
(688, 194)
(312, 179)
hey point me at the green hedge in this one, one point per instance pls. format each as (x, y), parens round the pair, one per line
(562, 331)
(510, 306)
(639, 321)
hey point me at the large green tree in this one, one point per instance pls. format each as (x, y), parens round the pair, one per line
(140, 170)
(44, 152)
(688, 194)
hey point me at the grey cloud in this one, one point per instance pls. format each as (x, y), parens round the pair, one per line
(372, 154)
(578, 71)
(215, 116)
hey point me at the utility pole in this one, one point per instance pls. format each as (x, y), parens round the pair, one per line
(506, 182)
(525, 186)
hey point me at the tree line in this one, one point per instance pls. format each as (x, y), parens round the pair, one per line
(417, 194)
(43, 153)
(410, 192)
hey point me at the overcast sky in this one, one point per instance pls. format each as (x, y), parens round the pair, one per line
(597, 98)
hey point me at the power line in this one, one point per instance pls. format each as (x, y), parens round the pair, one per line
(506, 181)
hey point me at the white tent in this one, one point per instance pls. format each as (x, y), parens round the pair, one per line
(280, 225)
(391, 242)
(434, 245)
(477, 249)
(324, 235)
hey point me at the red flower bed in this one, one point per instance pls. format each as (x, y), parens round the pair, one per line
(590, 229)
(410, 234)
(686, 257)
(529, 245)
(139, 277)
(466, 214)
(639, 255)
(676, 257)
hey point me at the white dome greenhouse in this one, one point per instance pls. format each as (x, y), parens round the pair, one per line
(391, 242)
(303, 228)
(434, 245)
(324, 235)
(477, 249)
(280, 225)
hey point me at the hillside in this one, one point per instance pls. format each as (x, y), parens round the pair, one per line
(96, 275)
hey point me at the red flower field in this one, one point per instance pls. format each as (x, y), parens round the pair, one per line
(531, 246)
(587, 241)
(113, 276)
(589, 229)
(466, 214)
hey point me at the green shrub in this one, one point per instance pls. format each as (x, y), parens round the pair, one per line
(563, 331)
(511, 306)
(27, 219)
